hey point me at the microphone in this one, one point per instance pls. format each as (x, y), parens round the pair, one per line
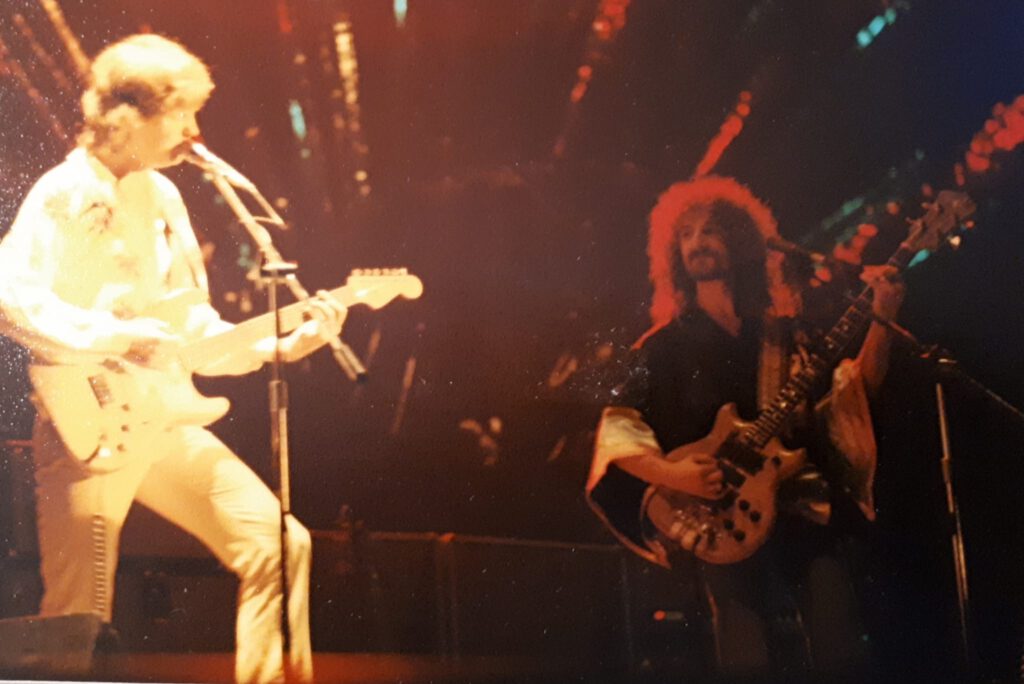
(201, 156)
(778, 244)
(198, 154)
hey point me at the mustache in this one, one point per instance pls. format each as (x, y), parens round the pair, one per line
(702, 252)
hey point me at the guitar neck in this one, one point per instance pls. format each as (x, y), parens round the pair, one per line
(247, 333)
(799, 387)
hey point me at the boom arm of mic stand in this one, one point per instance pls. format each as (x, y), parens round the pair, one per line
(947, 365)
(342, 353)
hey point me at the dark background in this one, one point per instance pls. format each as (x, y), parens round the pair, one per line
(532, 256)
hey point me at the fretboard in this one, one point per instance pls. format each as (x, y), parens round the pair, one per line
(246, 333)
(799, 387)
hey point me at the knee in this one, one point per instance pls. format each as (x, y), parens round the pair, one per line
(262, 557)
(300, 543)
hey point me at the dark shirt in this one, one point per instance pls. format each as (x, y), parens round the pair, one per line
(687, 370)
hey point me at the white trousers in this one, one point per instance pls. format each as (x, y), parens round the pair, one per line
(193, 480)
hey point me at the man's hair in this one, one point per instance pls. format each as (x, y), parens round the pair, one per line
(745, 221)
(138, 78)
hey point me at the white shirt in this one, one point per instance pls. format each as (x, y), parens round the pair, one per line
(87, 251)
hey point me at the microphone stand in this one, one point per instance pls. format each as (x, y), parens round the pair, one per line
(278, 395)
(225, 178)
(276, 270)
(946, 367)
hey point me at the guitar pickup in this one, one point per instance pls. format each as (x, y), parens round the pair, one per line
(743, 457)
(731, 476)
(100, 389)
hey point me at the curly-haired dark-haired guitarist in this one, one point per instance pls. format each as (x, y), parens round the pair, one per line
(682, 482)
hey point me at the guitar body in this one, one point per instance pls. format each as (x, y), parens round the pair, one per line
(106, 413)
(732, 528)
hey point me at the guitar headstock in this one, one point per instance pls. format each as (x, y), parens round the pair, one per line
(375, 287)
(942, 218)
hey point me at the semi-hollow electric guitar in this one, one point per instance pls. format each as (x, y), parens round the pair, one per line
(751, 456)
(104, 412)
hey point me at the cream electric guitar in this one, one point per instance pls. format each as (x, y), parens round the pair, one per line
(750, 455)
(103, 412)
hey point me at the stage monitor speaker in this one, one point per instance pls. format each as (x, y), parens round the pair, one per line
(51, 647)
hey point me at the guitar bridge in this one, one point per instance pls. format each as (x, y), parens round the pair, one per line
(726, 501)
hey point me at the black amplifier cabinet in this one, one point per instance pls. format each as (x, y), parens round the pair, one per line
(377, 592)
(175, 605)
(455, 595)
(537, 598)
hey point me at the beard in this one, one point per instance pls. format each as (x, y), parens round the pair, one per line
(706, 265)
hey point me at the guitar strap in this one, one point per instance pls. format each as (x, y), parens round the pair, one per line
(805, 493)
(182, 242)
(781, 358)
(774, 363)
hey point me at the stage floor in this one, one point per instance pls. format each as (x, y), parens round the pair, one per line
(350, 668)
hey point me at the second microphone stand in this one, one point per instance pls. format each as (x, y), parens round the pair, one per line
(945, 367)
